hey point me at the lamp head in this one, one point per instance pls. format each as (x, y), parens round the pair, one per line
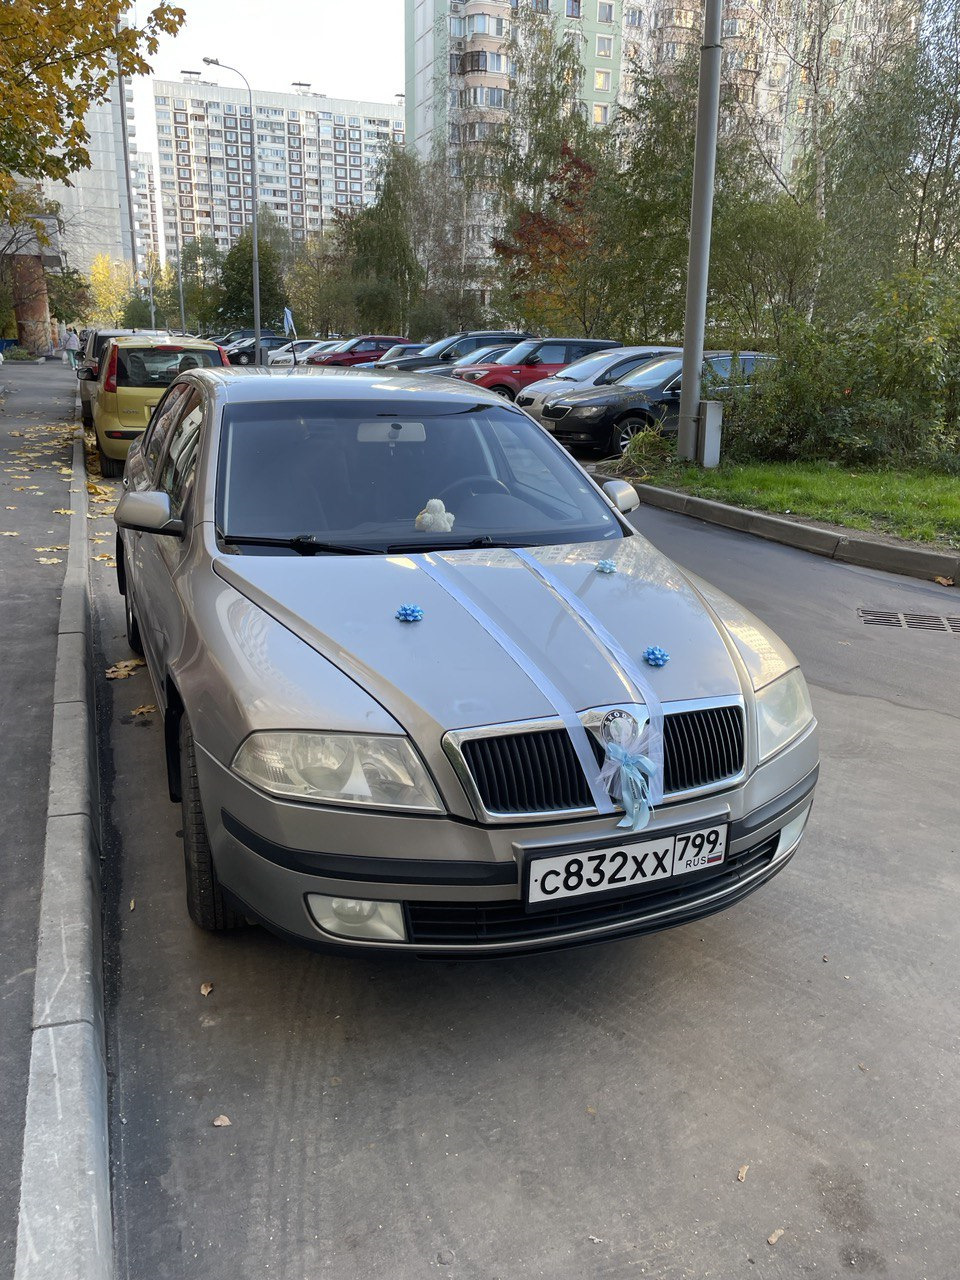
(212, 62)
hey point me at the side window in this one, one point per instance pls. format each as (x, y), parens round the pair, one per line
(163, 419)
(718, 369)
(575, 350)
(176, 472)
(553, 353)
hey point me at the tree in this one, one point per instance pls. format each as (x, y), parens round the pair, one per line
(57, 60)
(111, 284)
(320, 287)
(236, 307)
(68, 292)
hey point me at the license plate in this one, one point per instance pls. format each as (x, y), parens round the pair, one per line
(630, 865)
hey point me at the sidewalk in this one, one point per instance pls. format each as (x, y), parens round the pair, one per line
(36, 417)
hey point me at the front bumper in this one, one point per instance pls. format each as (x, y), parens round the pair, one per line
(461, 883)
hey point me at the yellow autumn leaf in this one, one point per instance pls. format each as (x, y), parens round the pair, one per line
(62, 511)
(49, 560)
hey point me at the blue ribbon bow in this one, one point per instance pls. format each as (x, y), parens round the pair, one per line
(630, 772)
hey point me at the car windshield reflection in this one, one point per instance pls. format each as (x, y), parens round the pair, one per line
(430, 475)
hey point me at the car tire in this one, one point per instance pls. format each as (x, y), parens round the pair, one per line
(624, 431)
(206, 905)
(86, 416)
(134, 639)
(244, 359)
(503, 391)
(110, 468)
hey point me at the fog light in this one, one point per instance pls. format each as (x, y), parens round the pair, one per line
(791, 833)
(358, 918)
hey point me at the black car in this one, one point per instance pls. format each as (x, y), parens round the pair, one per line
(243, 352)
(456, 345)
(607, 418)
(238, 335)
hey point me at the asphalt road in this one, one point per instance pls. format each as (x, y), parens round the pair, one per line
(35, 419)
(582, 1114)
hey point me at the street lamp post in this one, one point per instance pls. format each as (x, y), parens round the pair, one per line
(215, 62)
(701, 219)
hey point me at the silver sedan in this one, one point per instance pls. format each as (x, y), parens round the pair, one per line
(595, 370)
(425, 689)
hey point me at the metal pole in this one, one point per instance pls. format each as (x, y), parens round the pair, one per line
(701, 218)
(215, 62)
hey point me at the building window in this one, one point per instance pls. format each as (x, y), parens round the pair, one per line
(541, 6)
(730, 26)
(601, 81)
(604, 46)
(601, 113)
(633, 17)
(604, 11)
(573, 8)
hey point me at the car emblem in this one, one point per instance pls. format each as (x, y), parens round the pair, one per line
(621, 728)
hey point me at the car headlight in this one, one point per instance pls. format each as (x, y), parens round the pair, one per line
(783, 712)
(588, 410)
(473, 375)
(338, 768)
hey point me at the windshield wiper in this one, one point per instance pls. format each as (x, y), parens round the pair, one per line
(484, 540)
(305, 544)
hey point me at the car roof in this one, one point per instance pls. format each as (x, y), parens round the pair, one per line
(238, 385)
(163, 340)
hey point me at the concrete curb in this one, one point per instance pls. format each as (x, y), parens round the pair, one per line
(916, 562)
(65, 1230)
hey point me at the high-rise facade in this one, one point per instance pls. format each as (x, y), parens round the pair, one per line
(95, 207)
(784, 60)
(145, 206)
(315, 155)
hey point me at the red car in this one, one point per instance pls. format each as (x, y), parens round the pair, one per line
(371, 346)
(529, 361)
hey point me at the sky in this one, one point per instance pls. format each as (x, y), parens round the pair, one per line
(343, 48)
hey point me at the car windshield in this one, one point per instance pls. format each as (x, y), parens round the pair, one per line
(437, 347)
(399, 350)
(652, 374)
(517, 354)
(588, 367)
(479, 356)
(360, 474)
(158, 366)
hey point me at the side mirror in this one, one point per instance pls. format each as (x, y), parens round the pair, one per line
(623, 496)
(532, 360)
(87, 373)
(147, 512)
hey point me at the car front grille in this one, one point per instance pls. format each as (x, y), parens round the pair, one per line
(538, 772)
(556, 410)
(475, 924)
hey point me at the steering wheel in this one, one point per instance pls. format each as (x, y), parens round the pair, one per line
(483, 483)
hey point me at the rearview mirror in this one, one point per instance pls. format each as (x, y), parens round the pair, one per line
(623, 495)
(87, 373)
(147, 513)
(530, 360)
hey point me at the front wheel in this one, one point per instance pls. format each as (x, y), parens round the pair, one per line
(205, 901)
(625, 430)
(244, 359)
(130, 618)
(503, 391)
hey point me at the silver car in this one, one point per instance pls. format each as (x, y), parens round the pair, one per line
(594, 370)
(425, 689)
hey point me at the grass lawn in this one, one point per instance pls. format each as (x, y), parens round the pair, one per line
(920, 506)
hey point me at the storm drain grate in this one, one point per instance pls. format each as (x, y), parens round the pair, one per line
(913, 621)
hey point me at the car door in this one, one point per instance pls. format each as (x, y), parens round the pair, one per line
(145, 452)
(551, 358)
(157, 556)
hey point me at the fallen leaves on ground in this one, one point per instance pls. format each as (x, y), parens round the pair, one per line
(143, 710)
(62, 547)
(9, 533)
(62, 511)
(133, 903)
(944, 582)
(742, 1173)
(222, 1122)
(206, 988)
(49, 560)
(121, 670)
(108, 558)
(775, 1236)
(11, 508)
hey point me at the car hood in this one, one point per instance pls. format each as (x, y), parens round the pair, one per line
(448, 672)
(547, 386)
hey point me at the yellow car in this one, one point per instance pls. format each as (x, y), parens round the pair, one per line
(134, 373)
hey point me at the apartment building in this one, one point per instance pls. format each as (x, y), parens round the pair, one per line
(95, 206)
(783, 60)
(145, 206)
(315, 155)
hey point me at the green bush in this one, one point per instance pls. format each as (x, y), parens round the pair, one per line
(884, 389)
(647, 453)
(18, 353)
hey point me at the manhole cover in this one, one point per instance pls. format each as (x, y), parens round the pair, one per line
(912, 621)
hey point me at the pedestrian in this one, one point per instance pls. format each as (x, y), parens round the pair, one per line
(71, 345)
